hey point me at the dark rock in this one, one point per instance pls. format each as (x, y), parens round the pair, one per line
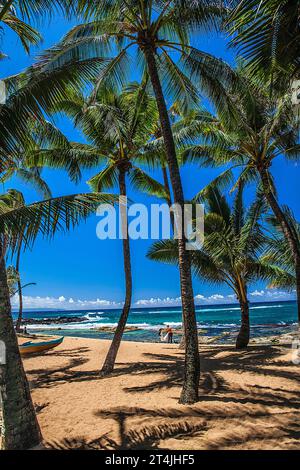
(50, 321)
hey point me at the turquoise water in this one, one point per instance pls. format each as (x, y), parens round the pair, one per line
(266, 319)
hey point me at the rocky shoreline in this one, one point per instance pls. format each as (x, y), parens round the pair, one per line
(67, 320)
(52, 321)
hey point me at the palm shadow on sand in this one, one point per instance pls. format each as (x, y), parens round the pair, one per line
(140, 428)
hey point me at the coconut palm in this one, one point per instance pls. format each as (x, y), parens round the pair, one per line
(117, 126)
(19, 429)
(45, 145)
(247, 139)
(267, 33)
(15, 199)
(29, 96)
(159, 33)
(233, 243)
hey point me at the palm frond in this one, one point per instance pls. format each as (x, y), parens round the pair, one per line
(47, 217)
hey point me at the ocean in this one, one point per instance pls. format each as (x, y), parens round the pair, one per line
(214, 320)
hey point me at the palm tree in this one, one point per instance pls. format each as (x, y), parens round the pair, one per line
(15, 286)
(15, 199)
(158, 32)
(267, 33)
(117, 127)
(19, 429)
(29, 96)
(233, 243)
(45, 145)
(247, 135)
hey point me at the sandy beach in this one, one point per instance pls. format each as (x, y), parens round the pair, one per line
(249, 399)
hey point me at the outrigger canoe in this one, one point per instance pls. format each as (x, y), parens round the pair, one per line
(32, 347)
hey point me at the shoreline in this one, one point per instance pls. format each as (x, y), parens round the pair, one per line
(223, 339)
(247, 400)
(216, 323)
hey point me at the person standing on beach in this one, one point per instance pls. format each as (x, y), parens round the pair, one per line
(170, 334)
(161, 334)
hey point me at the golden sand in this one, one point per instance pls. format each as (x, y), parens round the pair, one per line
(249, 399)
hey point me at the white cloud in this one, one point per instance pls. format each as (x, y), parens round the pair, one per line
(63, 303)
(157, 302)
(216, 297)
(272, 294)
(267, 295)
(257, 293)
(199, 297)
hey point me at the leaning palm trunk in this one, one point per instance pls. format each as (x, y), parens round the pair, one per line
(189, 392)
(287, 230)
(20, 316)
(19, 427)
(244, 333)
(110, 359)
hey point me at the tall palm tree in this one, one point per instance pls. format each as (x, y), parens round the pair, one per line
(231, 253)
(29, 96)
(19, 427)
(247, 136)
(117, 126)
(16, 200)
(158, 32)
(267, 33)
(45, 145)
(15, 286)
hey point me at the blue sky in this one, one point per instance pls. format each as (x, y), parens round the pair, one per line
(77, 270)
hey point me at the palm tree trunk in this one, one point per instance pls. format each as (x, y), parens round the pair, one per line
(19, 427)
(244, 333)
(286, 229)
(189, 392)
(169, 202)
(20, 316)
(110, 360)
